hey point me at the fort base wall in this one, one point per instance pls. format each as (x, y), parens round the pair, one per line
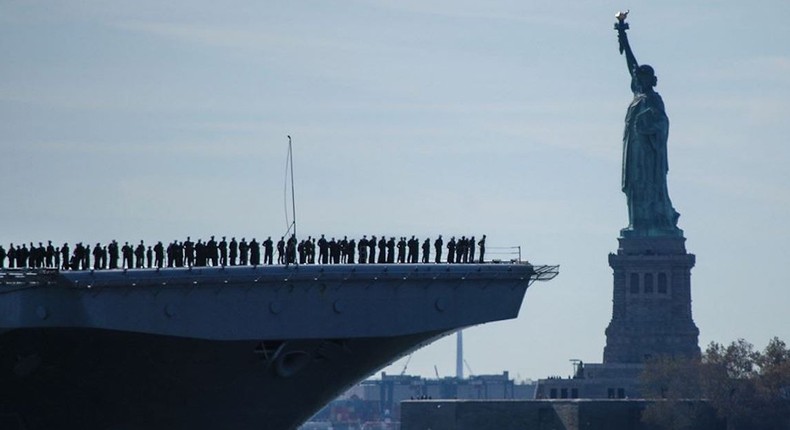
(538, 415)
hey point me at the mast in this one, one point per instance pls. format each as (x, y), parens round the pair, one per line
(293, 195)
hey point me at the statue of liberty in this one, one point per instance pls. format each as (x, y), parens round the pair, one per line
(645, 166)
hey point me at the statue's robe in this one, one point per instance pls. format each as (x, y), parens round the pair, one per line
(645, 166)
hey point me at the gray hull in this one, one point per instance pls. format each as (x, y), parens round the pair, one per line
(214, 348)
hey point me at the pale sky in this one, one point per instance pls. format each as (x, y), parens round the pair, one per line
(156, 120)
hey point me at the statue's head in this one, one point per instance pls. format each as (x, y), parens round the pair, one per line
(646, 76)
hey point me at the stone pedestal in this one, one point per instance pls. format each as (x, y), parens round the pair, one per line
(651, 313)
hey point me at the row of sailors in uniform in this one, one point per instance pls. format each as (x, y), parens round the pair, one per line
(223, 253)
(343, 251)
(178, 254)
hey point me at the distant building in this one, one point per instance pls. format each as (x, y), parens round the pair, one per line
(594, 381)
(378, 400)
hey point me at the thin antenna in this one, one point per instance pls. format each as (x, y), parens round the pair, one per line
(293, 195)
(291, 247)
(285, 189)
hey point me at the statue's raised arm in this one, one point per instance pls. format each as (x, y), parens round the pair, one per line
(621, 26)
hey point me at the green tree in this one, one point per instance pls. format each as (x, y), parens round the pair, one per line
(773, 383)
(748, 389)
(675, 383)
(727, 381)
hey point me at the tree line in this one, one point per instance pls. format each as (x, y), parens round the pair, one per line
(748, 389)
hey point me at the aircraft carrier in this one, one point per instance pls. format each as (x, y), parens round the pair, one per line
(224, 347)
